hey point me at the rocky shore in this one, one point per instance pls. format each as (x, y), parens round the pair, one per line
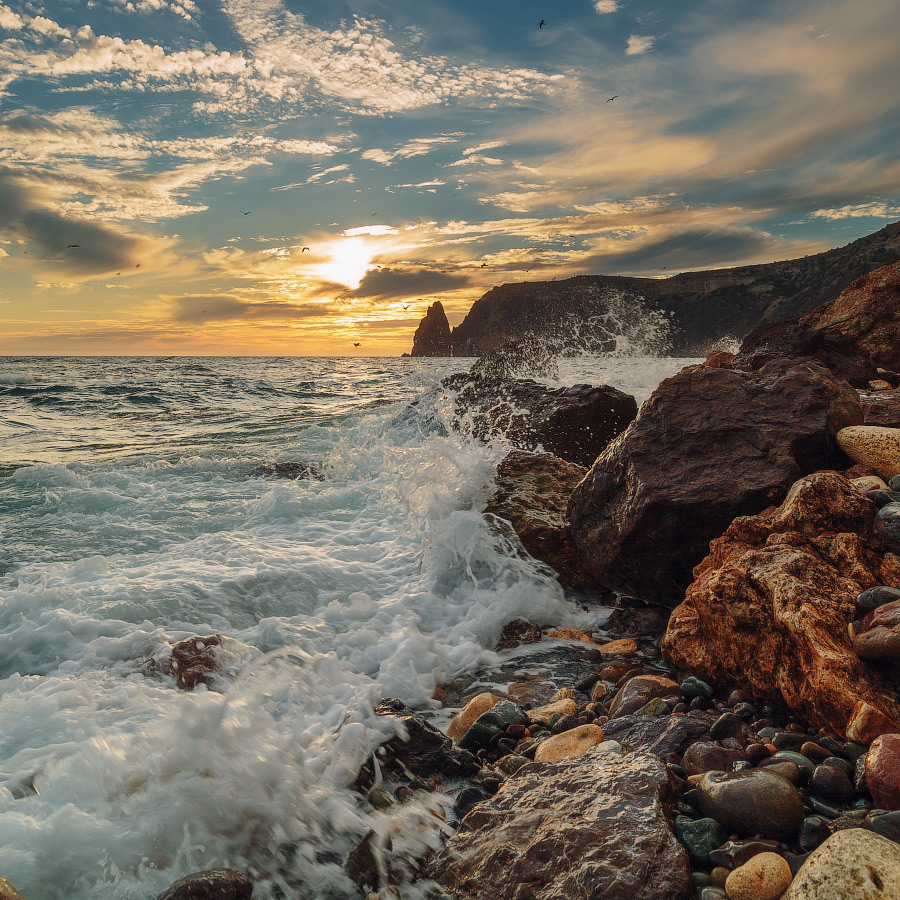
(728, 728)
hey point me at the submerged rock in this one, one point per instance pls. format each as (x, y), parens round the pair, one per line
(215, 884)
(709, 445)
(532, 493)
(770, 605)
(194, 661)
(593, 828)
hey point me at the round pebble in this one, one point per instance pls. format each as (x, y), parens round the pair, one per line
(765, 877)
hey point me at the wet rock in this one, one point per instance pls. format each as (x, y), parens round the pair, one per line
(882, 771)
(518, 632)
(755, 802)
(727, 725)
(831, 784)
(592, 828)
(872, 598)
(639, 690)
(8, 892)
(706, 757)
(365, 863)
(765, 877)
(570, 744)
(565, 707)
(660, 736)
(532, 493)
(693, 687)
(879, 635)
(889, 524)
(736, 853)
(640, 527)
(867, 722)
(770, 605)
(491, 723)
(620, 647)
(813, 831)
(470, 712)
(873, 446)
(570, 634)
(851, 865)
(467, 799)
(425, 752)
(215, 884)
(574, 423)
(194, 661)
(699, 836)
(293, 471)
(868, 314)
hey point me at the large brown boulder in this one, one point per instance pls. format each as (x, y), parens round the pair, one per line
(574, 423)
(532, 494)
(432, 337)
(592, 828)
(709, 445)
(770, 605)
(867, 312)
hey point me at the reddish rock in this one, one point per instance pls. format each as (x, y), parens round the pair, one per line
(867, 722)
(518, 632)
(432, 337)
(640, 690)
(193, 661)
(705, 757)
(215, 884)
(867, 312)
(717, 359)
(8, 892)
(883, 409)
(883, 771)
(592, 828)
(574, 423)
(770, 605)
(879, 635)
(709, 445)
(533, 491)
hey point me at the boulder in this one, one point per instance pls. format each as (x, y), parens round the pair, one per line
(532, 494)
(593, 828)
(432, 337)
(640, 690)
(853, 864)
(764, 877)
(661, 735)
(470, 712)
(709, 445)
(569, 745)
(793, 340)
(770, 607)
(215, 884)
(574, 423)
(874, 446)
(882, 768)
(868, 313)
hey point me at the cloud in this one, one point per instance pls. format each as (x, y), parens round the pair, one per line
(399, 284)
(638, 45)
(877, 209)
(606, 6)
(415, 147)
(320, 175)
(199, 308)
(9, 20)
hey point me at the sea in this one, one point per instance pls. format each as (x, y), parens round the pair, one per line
(325, 518)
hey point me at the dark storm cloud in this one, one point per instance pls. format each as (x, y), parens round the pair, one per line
(392, 284)
(98, 249)
(198, 308)
(694, 248)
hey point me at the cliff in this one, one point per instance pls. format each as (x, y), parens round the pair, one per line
(432, 337)
(698, 307)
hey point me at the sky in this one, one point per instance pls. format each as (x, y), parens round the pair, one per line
(295, 177)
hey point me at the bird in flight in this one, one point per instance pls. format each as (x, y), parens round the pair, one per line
(406, 307)
(484, 265)
(541, 24)
(612, 98)
(356, 345)
(304, 250)
(246, 213)
(70, 246)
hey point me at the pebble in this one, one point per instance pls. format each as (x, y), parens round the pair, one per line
(882, 771)
(570, 744)
(469, 713)
(570, 634)
(888, 525)
(765, 877)
(872, 445)
(703, 757)
(727, 725)
(567, 707)
(783, 767)
(736, 853)
(802, 761)
(380, 799)
(693, 687)
(755, 802)
(467, 799)
(816, 752)
(813, 831)
(853, 864)
(894, 483)
(599, 690)
(873, 597)
(868, 483)
(617, 648)
(831, 784)
(699, 836)
(640, 690)
(713, 893)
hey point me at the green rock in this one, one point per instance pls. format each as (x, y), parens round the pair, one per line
(699, 836)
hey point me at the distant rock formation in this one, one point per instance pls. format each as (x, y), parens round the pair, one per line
(432, 337)
(686, 312)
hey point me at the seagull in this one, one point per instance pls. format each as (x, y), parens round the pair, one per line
(70, 246)
(246, 213)
(406, 307)
(356, 345)
(541, 24)
(304, 250)
(612, 98)
(484, 265)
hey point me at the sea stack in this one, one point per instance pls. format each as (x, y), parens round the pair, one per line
(432, 337)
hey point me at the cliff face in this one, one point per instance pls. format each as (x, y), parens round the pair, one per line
(432, 337)
(698, 307)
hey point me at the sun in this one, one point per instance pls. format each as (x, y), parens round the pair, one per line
(349, 259)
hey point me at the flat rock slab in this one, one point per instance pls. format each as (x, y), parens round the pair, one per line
(660, 735)
(593, 828)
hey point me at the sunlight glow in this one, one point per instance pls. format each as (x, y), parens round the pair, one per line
(350, 258)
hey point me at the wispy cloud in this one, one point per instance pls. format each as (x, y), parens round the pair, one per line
(638, 44)
(410, 149)
(877, 209)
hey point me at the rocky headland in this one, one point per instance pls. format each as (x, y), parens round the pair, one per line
(695, 308)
